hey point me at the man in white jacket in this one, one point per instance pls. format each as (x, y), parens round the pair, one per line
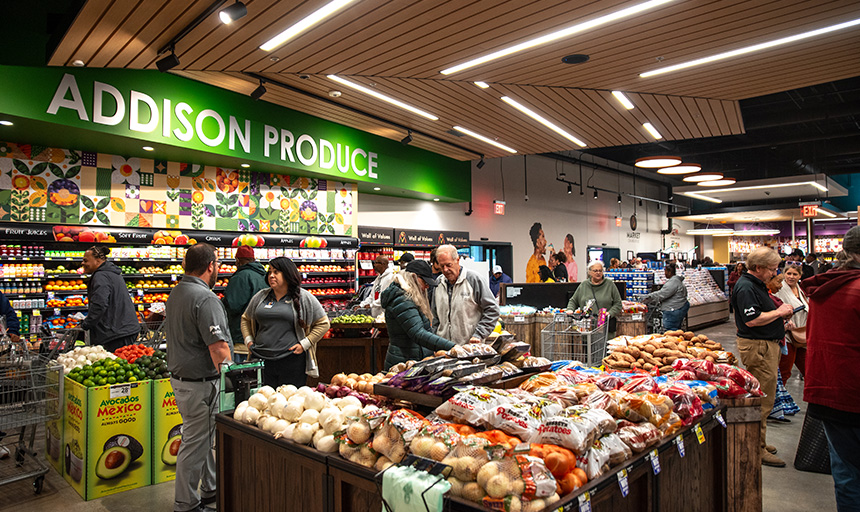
(463, 304)
(383, 279)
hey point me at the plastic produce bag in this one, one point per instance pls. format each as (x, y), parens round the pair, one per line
(575, 428)
(521, 419)
(687, 404)
(638, 436)
(472, 405)
(741, 377)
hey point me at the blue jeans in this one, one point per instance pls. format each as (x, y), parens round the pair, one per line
(845, 464)
(672, 319)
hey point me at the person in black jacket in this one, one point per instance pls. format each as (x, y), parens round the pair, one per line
(407, 314)
(8, 313)
(111, 319)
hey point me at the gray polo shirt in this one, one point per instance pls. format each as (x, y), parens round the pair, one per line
(195, 319)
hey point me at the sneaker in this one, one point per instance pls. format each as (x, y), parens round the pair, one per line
(4, 452)
(769, 459)
(770, 449)
(208, 501)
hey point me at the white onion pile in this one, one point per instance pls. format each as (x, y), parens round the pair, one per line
(81, 356)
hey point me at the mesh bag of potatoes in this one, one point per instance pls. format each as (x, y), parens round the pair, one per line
(465, 459)
(514, 482)
(398, 429)
(434, 442)
(360, 453)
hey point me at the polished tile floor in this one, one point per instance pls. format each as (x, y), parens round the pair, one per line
(784, 489)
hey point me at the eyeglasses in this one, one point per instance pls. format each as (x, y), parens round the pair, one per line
(794, 263)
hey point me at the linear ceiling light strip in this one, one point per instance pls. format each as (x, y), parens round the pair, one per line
(703, 198)
(751, 49)
(305, 23)
(383, 97)
(480, 137)
(542, 120)
(559, 34)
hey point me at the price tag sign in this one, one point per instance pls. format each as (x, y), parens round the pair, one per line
(139, 292)
(120, 390)
(655, 461)
(720, 419)
(519, 319)
(679, 442)
(173, 277)
(140, 307)
(365, 264)
(585, 502)
(699, 434)
(622, 482)
(56, 311)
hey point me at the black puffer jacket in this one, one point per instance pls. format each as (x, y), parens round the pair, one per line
(409, 331)
(111, 313)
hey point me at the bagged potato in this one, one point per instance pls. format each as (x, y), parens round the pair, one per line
(519, 475)
(466, 458)
(574, 428)
(434, 442)
(360, 453)
(638, 436)
(618, 450)
(521, 419)
(471, 405)
(687, 405)
(640, 382)
(396, 432)
(595, 461)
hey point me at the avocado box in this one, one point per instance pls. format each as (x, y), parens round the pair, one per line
(107, 437)
(166, 431)
(54, 428)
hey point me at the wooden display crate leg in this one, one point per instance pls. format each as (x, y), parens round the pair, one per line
(743, 418)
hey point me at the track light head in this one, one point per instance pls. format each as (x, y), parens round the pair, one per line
(640, 202)
(233, 13)
(406, 140)
(658, 207)
(167, 63)
(595, 193)
(480, 163)
(619, 198)
(569, 189)
(258, 92)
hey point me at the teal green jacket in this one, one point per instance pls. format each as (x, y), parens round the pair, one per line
(248, 280)
(409, 334)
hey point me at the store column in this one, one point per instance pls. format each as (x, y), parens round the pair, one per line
(810, 235)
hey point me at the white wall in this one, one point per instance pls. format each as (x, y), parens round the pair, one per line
(590, 221)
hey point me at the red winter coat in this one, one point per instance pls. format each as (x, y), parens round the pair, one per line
(833, 340)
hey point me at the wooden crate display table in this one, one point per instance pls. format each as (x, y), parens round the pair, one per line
(744, 454)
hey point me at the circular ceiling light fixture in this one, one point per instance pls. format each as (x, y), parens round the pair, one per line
(703, 176)
(718, 183)
(656, 162)
(682, 168)
(576, 58)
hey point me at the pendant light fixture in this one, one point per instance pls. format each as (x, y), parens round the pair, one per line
(703, 176)
(717, 183)
(682, 168)
(656, 162)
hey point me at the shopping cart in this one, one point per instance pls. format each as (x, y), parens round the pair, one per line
(575, 338)
(30, 395)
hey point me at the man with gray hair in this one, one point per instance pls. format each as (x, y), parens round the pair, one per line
(464, 307)
(832, 358)
(761, 327)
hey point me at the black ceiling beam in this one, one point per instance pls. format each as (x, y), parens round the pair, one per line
(574, 160)
(375, 117)
(807, 115)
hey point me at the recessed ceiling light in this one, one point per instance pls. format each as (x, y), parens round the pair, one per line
(757, 232)
(559, 34)
(750, 49)
(682, 168)
(6, 123)
(625, 102)
(825, 212)
(245, 166)
(542, 120)
(436, 199)
(383, 97)
(377, 188)
(148, 148)
(717, 183)
(704, 176)
(656, 162)
(78, 63)
(482, 85)
(480, 137)
(304, 24)
(653, 131)
(576, 58)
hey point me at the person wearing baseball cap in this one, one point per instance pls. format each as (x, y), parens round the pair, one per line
(497, 279)
(250, 277)
(405, 259)
(408, 315)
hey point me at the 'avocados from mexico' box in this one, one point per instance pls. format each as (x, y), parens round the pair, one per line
(54, 428)
(107, 437)
(166, 431)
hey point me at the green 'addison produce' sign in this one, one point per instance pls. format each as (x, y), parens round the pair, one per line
(169, 110)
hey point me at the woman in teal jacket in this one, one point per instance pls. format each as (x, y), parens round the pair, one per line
(407, 314)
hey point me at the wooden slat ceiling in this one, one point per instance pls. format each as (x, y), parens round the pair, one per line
(399, 48)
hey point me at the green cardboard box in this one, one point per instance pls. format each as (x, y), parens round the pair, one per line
(166, 431)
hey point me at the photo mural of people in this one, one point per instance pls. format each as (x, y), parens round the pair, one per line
(570, 252)
(537, 259)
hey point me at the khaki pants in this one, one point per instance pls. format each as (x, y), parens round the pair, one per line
(761, 358)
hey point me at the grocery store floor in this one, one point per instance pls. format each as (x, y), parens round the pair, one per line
(785, 489)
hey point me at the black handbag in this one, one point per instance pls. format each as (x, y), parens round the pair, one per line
(813, 450)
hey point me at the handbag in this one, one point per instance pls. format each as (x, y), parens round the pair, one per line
(798, 336)
(813, 451)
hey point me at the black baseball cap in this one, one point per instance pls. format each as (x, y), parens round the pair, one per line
(406, 258)
(422, 269)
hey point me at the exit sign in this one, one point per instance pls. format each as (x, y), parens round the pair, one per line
(809, 210)
(499, 207)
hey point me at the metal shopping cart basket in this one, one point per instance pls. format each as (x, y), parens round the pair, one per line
(574, 338)
(30, 395)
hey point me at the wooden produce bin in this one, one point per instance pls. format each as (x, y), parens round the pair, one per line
(540, 322)
(261, 473)
(521, 326)
(743, 417)
(631, 325)
(349, 355)
(702, 315)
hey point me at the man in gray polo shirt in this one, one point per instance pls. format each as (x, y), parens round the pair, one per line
(198, 342)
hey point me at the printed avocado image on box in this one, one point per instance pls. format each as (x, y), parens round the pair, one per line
(166, 431)
(107, 438)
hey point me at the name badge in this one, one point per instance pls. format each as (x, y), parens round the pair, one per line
(269, 305)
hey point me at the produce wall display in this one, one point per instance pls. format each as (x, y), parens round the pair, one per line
(54, 185)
